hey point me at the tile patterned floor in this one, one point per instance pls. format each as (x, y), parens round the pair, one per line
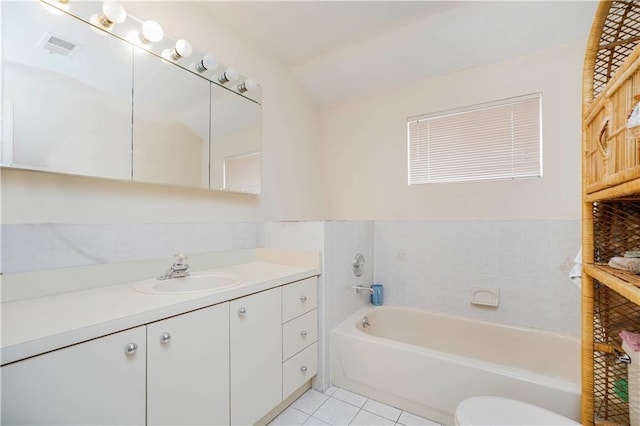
(338, 407)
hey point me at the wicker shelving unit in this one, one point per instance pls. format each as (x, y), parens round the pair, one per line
(611, 208)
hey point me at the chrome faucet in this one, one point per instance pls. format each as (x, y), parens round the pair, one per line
(178, 269)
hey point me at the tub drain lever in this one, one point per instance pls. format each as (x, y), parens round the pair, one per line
(365, 322)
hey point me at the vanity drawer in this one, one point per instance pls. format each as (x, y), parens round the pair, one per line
(299, 298)
(300, 368)
(299, 333)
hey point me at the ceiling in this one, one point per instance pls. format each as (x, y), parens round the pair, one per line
(300, 31)
(339, 49)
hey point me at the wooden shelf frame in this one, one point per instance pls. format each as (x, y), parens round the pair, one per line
(626, 189)
(624, 283)
(607, 67)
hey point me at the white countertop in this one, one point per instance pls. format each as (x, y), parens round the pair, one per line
(34, 326)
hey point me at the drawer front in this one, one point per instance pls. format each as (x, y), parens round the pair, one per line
(299, 333)
(300, 368)
(299, 298)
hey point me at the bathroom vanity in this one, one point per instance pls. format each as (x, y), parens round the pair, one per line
(115, 355)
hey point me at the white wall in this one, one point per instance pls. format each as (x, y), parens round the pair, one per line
(433, 265)
(46, 246)
(364, 155)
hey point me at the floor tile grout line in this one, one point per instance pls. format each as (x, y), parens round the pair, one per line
(324, 402)
(353, 405)
(395, 422)
(380, 415)
(360, 408)
(305, 420)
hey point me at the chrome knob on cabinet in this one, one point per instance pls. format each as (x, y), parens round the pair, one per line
(303, 369)
(303, 299)
(303, 333)
(131, 349)
(242, 311)
(165, 337)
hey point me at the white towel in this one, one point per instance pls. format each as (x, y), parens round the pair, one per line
(630, 264)
(576, 272)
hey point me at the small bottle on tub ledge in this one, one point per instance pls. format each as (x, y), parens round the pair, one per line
(377, 295)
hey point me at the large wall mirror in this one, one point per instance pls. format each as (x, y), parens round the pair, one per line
(79, 99)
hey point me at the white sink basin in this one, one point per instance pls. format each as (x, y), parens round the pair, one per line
(195, 283)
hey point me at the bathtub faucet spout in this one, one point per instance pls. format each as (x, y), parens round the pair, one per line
(360, 288)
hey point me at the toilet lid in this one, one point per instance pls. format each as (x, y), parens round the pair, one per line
(494, 410)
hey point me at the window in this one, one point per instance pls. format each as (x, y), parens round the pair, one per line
(497, 140)
(242, 172)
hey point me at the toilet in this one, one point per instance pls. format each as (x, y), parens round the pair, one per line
(495, 410)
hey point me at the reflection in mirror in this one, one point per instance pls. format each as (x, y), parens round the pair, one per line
(235, 142)
(170, 123)
(66, 94)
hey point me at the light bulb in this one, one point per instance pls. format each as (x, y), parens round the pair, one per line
(182, 49)
(229, 75)
(249, 84)
(112, 13)
(151, 32)
(208, 62)
(97, 26)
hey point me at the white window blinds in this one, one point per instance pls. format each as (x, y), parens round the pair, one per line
(498, 140)
(242, 172)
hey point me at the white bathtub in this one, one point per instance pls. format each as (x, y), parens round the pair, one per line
(427, 363)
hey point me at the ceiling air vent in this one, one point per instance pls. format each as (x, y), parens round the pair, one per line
(58, 45)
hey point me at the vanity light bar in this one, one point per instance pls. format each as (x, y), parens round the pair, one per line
(151, 32)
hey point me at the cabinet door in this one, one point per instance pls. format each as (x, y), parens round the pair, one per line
(188, 368)
(256, 356)
(96, 382)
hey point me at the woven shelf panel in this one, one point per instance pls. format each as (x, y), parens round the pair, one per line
(617, 41)
(612, 314)
(616, 228)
